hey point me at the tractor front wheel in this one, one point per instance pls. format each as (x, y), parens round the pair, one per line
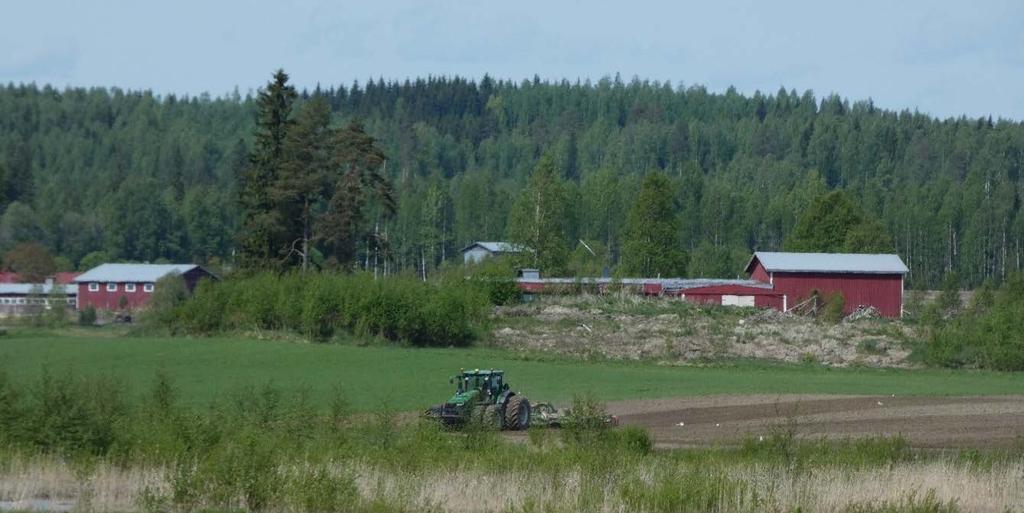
(517, 413)
(490, 417)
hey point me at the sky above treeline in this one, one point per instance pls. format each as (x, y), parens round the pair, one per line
(944, 58)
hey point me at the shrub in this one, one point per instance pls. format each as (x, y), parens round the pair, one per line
(56, 314)
(320, 489)
(870, 346)
(949, 298)
(496, 276)
(11, 414)
(438, 313)
(984, 297)
(690, 489)
(204, 312)
(832, 311)
(989, 337)
(168, 293)
(87, 316)
(74, 416)
(634, 440)
(585, 424)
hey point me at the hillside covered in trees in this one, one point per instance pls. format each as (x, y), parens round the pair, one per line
(110, 174)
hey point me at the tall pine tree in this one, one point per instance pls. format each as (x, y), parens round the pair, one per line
(303, 178)
(360, 162)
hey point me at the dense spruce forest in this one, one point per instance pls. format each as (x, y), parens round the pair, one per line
(97, 174)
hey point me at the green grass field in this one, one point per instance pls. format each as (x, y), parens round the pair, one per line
(409, 379)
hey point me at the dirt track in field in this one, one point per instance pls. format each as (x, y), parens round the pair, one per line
(972, 422)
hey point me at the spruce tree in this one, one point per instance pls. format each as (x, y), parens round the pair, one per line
(260, 237)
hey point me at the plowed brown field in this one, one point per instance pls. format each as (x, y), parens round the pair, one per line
(973, 422)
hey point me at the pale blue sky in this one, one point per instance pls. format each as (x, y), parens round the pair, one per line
(940, 57)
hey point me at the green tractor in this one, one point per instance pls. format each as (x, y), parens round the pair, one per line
(484, 393)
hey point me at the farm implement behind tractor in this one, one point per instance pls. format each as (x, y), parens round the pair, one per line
(485, 396)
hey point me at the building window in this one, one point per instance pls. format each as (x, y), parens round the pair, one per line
(129, 287)
(148, 287)
(111, 287)
(21, 300)
(94, 287)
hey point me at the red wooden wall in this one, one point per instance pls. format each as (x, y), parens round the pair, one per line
(882, 291)
(763, 298)
(103, 300)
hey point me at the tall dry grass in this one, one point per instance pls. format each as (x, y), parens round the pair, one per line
(469, 489)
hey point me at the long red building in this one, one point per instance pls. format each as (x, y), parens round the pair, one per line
(777, 280)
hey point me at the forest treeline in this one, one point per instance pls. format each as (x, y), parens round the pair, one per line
(99, 174)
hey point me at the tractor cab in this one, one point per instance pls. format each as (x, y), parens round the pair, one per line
(485, 385)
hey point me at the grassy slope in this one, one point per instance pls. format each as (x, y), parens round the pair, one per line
(409, 379)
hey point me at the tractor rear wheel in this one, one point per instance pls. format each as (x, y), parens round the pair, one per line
(517, 413)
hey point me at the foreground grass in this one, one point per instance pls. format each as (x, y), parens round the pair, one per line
(401, 378)
(81, 443)
(649, 485)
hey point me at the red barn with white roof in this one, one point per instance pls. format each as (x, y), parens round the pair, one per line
(103, 287)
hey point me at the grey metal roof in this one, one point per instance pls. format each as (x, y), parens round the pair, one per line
(497, 247)
(137, 273)
(853, 263)
(667, 283)
(696, 283)
(24, 289)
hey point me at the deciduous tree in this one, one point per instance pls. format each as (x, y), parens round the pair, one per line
(31, 260)
(651, 244)
(537, 220)
(835, 224)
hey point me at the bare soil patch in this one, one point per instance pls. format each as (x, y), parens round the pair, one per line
(930, 422)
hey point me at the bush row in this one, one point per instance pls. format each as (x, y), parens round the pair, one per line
(446, 312)
(988, 334)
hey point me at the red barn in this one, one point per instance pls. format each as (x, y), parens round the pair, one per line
(862, 279)
(103, 287)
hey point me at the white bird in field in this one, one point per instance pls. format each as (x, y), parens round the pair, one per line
(681, 424)
(880, 403)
